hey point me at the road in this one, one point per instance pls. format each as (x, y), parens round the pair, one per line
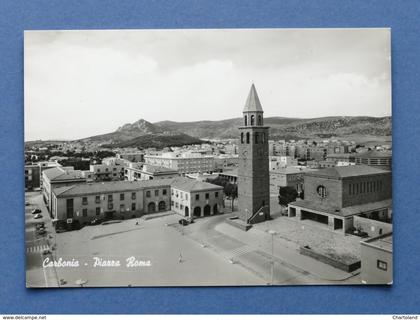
(36, 275)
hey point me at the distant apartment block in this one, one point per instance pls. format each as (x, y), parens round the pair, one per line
(377, 159)
(132, 156)
(276, 162)
(224, 161)
(32, 176)
(139, 171)
(341, 159)
(183, 163)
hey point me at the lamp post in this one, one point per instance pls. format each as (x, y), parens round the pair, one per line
(272, 232)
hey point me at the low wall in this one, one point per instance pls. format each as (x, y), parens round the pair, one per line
(238, 223)
(373, 228)
(332, 262)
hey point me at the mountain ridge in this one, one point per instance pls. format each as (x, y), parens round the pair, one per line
(142, 133)
(284, 128)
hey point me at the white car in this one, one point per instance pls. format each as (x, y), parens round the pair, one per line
(38, 216)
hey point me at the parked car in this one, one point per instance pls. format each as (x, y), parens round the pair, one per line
(46, 252)
(27, 203)
(40, 225)
(60, 230)
(96, 221)
(41, 232)
(38, 216)
(35, 211)
(183, 222)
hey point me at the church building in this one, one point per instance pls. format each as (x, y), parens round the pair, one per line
(253, 171)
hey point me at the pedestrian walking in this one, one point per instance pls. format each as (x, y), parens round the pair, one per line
(180, 258)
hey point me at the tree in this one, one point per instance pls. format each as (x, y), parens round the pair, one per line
(286, 195)
(231, 190)
(218, 181)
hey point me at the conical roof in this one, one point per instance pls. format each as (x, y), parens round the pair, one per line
(253, 102)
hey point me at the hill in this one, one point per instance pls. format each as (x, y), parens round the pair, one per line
(142, 134)
(156, 141)
(286, 128)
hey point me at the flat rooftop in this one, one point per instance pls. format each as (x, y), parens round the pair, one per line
(383, 242)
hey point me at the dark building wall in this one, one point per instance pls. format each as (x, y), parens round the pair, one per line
(333, 198)
(253, 172)
(351, 191)
(366, 189)
(32, 177)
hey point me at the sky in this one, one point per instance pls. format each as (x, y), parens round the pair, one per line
(82, 83)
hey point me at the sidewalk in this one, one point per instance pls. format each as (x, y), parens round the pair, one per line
(285, 251)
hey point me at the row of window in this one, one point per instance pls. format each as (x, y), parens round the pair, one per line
(365, 187)
(149, 193)
(252, 120)
(110, 198)
(259, 137)
(183, 195)
(98, 210)
(180, 194)
(70, 202)
(106, 170)
(177, 205)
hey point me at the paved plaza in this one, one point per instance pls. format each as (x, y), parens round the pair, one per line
(161, 252)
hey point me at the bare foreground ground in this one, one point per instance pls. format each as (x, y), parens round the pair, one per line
(208, 252)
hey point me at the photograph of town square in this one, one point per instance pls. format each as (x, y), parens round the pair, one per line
(213, 157)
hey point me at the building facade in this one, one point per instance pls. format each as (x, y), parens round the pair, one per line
(183, 163)
(231, 176)
(194, 199)
(277, 162)
(59, 177)
(288, 177)
(150, 172)
(376, 260)
(32, 176)
(79, 204)
(131, 156)
(135, 171)
(334, 196)
(253, 170)
(382, 160)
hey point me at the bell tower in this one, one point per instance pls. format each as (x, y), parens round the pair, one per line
(253, 171)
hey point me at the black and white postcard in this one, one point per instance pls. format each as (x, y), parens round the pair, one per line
(211, 157)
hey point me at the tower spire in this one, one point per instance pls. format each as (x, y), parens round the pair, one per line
(253, 103)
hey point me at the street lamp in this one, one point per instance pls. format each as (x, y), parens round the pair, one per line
(272, 232)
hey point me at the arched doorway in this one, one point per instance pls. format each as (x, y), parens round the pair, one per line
(197, 212)
(215, 210)
(162, 206)
(207, 210)
(187, 211)
(151, 207)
